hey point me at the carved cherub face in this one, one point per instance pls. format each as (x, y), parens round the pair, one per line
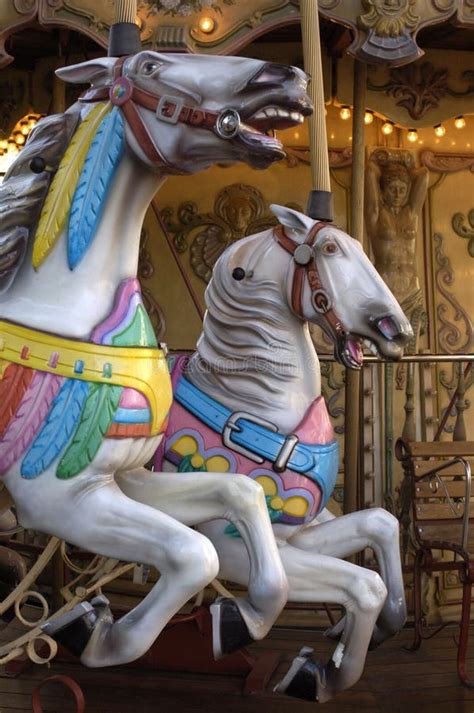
(389, 18)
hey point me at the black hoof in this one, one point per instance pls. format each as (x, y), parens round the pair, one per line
(73, 629)
(229, 630)
(304, 677)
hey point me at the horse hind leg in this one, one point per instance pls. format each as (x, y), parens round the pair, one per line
(198, 498)
(104, 520)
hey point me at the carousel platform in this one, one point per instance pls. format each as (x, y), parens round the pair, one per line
(394, 681)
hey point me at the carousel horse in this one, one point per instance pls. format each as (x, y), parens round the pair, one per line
(85, 391)
(249, 401)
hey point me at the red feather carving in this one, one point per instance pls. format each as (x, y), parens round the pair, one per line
(13, 386)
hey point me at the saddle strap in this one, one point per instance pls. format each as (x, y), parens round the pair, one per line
(66, 681)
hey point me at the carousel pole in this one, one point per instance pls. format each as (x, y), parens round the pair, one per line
(352, 475)
(320, 203)
(124, 37)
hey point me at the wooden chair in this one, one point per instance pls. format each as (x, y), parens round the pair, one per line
(440, 479)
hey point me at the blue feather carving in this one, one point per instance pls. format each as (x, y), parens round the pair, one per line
(90, 196)
(58, 428)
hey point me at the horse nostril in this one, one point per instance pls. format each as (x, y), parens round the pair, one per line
(389, 328)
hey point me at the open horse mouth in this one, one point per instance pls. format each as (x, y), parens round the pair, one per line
(390, 339)
(254, 129)
(281, 103)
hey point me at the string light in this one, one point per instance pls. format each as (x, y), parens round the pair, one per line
(368, 117)
(345, 112)
(440, 130)
(459, 122)
(412, 135)
(387, 128)
(207, 25)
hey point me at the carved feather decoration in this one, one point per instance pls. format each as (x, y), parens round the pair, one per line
(31, 412)
(96, 417)
(91, 193)
(58, 429)
(15, 382)
(58, 201)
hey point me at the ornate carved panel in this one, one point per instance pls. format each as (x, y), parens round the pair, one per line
(464, 227)
(13, 17)
(239, 210)
(447, 162)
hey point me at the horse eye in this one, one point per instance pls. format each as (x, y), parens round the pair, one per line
(150, 67)
(330, 249)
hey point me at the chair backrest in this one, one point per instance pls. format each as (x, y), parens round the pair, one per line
(440, 477)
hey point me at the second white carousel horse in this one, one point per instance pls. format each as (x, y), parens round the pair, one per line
(84, 389)
(249, 401)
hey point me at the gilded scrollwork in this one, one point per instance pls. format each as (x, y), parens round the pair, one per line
(452, 339)
(338, 157)
(447, 162)
(239, 210)
(464, 230)
(389, 18)
(420, 87)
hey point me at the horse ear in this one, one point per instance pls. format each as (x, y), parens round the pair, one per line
(292, 218)
(95, 71)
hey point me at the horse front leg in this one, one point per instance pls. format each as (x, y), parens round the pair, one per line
(196, 498)
(348, 534)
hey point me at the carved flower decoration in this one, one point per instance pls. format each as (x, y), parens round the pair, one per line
(184, 7)
(389, 18)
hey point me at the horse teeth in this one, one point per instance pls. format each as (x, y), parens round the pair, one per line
(283, 112)
(271, 112)
(260, 115)
(296, 116)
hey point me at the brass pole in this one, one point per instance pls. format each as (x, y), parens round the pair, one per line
(352, 413)
(125, 10)
(124, 36)
(320, 202)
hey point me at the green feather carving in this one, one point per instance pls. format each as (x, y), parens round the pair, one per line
(97, 415)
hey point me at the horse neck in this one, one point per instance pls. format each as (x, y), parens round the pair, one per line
(72, 303)
(260, 361)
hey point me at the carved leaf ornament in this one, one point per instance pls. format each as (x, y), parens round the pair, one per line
(463, 230)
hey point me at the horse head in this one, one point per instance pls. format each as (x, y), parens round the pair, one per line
(332, 283)
(191, 111)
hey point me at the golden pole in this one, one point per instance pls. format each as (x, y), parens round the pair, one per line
(352, 392)
(320, 200)
(125, 11)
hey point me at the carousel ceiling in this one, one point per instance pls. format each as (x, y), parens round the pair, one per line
(376, 31)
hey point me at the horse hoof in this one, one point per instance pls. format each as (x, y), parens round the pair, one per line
(229, 630)
(74, 629)
(304, 678)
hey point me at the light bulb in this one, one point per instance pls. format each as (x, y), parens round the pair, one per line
(207, 25)
(19, 138)
(368, 117)
(345, 112)
(412, 135)
(459, 122)
(387, 127)
(440, 130)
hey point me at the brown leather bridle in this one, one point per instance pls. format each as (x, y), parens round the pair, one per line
(172, 110)
(304, 257)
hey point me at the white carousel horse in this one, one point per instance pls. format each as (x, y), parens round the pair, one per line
(84, 389)
(250, 401)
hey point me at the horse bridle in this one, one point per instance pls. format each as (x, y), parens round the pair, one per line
(172, 110)
(304, 257)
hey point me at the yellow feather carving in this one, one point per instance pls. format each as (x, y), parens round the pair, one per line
(58, 201)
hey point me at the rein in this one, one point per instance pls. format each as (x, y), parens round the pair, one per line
(304, 257)
(169, 109)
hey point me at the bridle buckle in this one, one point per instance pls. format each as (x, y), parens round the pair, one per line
(163, 103)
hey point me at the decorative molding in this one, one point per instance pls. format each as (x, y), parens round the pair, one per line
(450, 337)
(239, 210)
(338, 157)
(420, 87)
(465, 231)
(447, 162)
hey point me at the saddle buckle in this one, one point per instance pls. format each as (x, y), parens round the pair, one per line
(281, 462)
(232, 425)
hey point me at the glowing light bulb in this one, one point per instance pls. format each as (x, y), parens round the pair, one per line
(387, 128)
(3, 144)
(459, 122)
(345, 112)
(368, 117)
(412, 135)
(19, 138)
(440, 130)
(207, 25)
